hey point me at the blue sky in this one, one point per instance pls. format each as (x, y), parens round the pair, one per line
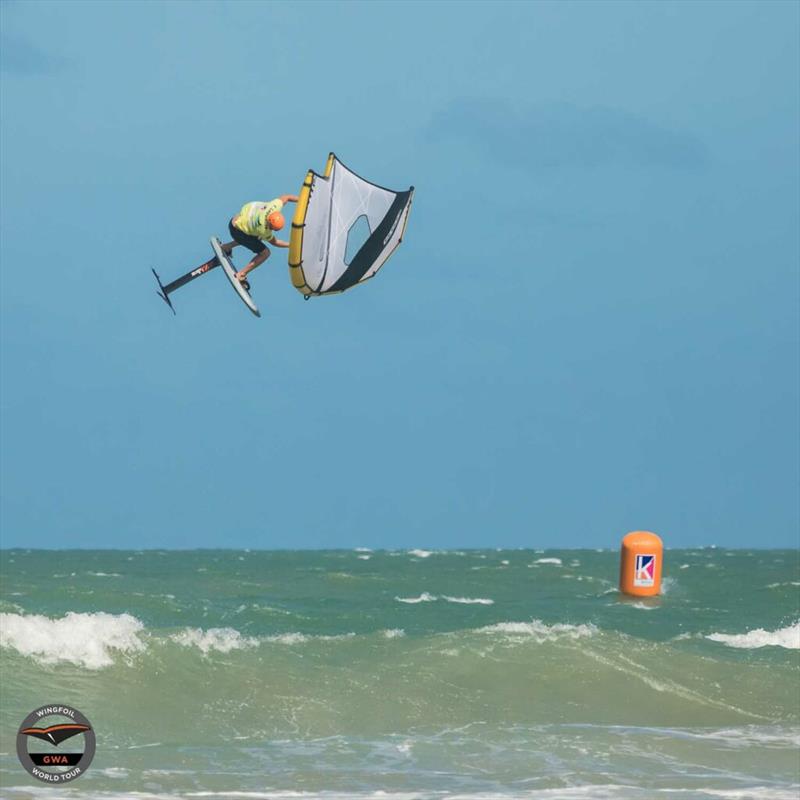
(592, 326)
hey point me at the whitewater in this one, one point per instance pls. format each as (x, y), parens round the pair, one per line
(407, 674)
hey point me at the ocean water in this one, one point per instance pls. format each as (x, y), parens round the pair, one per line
(407, 674)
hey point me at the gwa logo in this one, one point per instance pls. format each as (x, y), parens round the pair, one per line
(53, 725)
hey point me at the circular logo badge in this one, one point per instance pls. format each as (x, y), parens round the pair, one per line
(39, 741)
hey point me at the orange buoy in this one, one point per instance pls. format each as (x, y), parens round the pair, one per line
(640, 564)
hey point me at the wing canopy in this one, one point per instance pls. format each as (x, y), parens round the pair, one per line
(335, 211)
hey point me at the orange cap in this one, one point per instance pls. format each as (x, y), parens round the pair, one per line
(275, 220)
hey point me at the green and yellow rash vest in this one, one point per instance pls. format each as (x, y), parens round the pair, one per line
(252, 219)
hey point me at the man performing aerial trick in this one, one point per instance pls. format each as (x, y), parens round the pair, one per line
(344, 230)
(255, 224)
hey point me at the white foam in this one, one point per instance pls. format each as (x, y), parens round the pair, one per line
(420, 553)
(539, 631)
(364, 558)
(222, 640)
(299, 638)
(288, 638)
(788, 637)
(394, 633)
(88, 640)
(749, 736)
(481, 601)
(605, 791)
(753, 793)
(426, 597)
(556, 561)
(115, 772)
(667, 585)
(423, 598)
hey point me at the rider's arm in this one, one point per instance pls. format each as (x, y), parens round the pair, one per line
(288, 198)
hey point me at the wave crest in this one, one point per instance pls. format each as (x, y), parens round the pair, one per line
(788, 637)
(86, 640)
(221, 640)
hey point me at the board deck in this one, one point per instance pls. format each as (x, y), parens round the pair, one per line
(230, 273)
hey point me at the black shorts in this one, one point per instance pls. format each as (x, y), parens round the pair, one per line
(250, 242)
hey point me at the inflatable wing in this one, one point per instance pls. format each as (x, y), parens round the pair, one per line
(344, 230)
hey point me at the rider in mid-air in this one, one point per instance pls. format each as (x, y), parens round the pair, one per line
(255, 224)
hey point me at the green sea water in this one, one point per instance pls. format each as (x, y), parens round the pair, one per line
(407, 674)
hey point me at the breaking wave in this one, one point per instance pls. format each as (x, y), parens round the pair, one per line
(86, 640)
(788, 637)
